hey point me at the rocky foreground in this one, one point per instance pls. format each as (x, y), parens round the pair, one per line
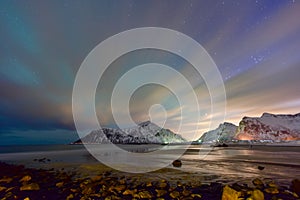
(18, 182)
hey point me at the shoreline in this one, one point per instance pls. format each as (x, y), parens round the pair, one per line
(39, 148)
(221, 164)
(19, 182)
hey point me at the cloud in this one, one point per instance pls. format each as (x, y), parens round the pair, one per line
(255, 46)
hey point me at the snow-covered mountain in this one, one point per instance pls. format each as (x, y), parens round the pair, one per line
(225, 132)
(144, 133)
(269, 127)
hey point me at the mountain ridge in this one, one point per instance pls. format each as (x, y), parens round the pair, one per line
(223, 133)
(282, 127)
(267, 127)
(144, 133)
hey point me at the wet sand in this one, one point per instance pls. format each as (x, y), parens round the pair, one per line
(222, 165)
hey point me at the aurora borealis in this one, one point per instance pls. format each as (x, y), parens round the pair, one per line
(255, 45)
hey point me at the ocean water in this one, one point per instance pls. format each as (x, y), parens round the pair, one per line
(229, 164)
(37, 148)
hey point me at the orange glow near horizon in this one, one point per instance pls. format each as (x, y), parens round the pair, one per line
(244, 136)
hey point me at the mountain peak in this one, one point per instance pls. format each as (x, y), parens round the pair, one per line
(144, 133)
(146, 123)
(227, 124)
(225, 132)
(273, 127)
(268, 115)
(265, 115)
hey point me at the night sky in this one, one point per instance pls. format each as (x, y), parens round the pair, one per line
(255, 44)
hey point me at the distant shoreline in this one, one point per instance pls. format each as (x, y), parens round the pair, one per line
(265, 147)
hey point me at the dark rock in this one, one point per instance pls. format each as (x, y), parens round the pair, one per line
(71, 196)
(162, 185)
(196, 196)
(130, 192)
(107, 173)
(177, 163)
(120, 188)
(25, 178)
(258, 183)
(186, 193)
(31, 186)
(271, 184)
(59, 184)
(160, 193)
(174, 194)
(2, 188)
(6, 180)
(272, 190)
(221, 145)
(296, 186)
(42, 160)
(260, 167)
(237, 187)
(145, 195)
(216, 188)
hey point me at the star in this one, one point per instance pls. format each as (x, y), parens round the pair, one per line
(257, 59)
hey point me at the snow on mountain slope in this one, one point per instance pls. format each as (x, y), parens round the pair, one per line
(270, 127)
(225, 132)
(143, 133)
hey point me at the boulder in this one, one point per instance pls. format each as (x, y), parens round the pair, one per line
(25, 178)
(272, 190)
(258, 183)
(160, 193)
(145, 195)
(31, 186)
(230, 194)
(174, 194)
(177, 163)
(296, 186)
(257, 195)
(260, 167)
(6, 180)
(59, 184)
(2, 188)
